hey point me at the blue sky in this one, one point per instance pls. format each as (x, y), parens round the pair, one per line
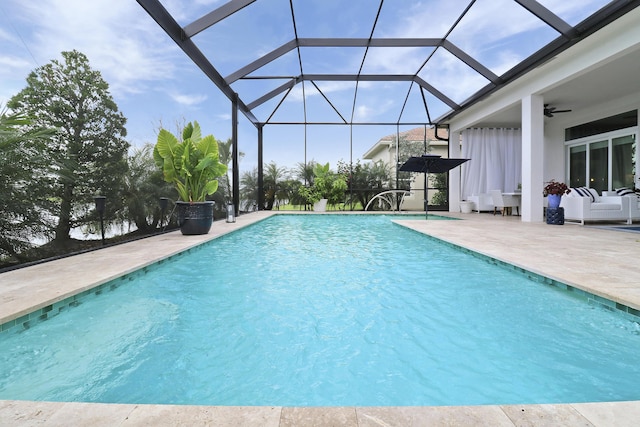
(154, 83)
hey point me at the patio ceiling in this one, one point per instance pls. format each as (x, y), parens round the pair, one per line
(373, 62)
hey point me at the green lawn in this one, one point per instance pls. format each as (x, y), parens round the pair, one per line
(338, 207)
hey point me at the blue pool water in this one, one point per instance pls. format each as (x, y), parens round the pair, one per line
(326, 310)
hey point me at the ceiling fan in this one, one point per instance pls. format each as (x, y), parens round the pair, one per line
(550, 111)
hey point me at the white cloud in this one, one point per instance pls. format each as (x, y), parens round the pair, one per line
(363, 113)
(188, 100)
(187, 13)
(9, 63)
(5, 35)
(573, 12)
(394, 60)
(118, 37)
(478, 34)
(326, 87)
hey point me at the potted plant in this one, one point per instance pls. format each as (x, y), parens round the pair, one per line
(193, 165)
(554, 190)
(327, 187)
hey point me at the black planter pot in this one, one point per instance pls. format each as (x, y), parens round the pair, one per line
(195, 218)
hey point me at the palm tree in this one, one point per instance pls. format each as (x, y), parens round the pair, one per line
(226, 155)
(24, 205)
(144, 186)
(274, 177)
(304, 172)
(249, 190)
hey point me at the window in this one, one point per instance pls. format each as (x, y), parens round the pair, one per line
(598, 127)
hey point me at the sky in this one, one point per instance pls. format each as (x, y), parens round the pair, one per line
(155, 84)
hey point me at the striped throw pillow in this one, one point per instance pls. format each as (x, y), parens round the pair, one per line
(584, 192)
(624, 191)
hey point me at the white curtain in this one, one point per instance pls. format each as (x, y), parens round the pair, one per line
(496, 160)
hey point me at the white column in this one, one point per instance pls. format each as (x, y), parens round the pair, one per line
(454, 174)
(532, 158)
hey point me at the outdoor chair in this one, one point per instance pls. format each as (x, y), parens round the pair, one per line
(482, 202)
(504, 202)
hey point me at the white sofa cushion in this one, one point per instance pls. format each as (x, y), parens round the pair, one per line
(605, 206)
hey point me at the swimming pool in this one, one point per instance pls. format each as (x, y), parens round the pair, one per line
(366, 324)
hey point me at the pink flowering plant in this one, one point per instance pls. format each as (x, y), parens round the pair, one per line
(554, 187)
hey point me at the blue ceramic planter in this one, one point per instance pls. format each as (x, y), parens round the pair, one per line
(554, 201)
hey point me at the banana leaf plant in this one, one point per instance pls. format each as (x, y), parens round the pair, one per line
(192, 164)
(326, 185)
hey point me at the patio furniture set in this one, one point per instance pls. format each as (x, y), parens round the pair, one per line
(582, 204)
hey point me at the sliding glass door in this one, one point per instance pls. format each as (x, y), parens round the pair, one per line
(604, 162)
(578, 166)
(623, 170)
(598, 165)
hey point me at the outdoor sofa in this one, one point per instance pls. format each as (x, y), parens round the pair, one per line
(585, 204)
(634, 201)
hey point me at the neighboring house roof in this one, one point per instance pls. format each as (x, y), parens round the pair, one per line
(415, 134)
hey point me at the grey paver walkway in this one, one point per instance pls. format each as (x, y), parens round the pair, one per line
(600, 261)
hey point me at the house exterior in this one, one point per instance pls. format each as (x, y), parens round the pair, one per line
(594, 144)
(385, 150)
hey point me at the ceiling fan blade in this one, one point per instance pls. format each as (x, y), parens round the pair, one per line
(550, 111)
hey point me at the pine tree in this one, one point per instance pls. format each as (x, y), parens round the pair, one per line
(88, 150)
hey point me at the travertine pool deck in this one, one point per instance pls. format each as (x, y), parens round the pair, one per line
(600, 261)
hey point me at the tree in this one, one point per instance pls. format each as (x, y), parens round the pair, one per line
(273, 178)
(407, 149)
(144, 185)
(365, 180)
(249, 190)
(290, 191)
(327, 184)
(439, 182)
(224, 195)
(276, 187)
(304, 172)
(22, 170)
(88, 149)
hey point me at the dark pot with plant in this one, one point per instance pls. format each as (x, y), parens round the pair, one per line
(193, 165)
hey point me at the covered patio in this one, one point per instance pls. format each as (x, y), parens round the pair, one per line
(583, 99)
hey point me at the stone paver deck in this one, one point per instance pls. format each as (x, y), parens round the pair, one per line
(600, 261)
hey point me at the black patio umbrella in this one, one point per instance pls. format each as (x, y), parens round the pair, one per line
(430, 163)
